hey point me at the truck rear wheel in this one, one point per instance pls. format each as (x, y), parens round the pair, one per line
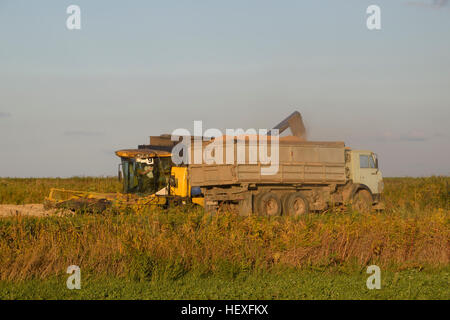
(268, 204)
(362, 201)
(296, 205)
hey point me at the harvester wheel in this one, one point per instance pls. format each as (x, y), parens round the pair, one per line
(362, 201)
(268, 204)
(296, 205)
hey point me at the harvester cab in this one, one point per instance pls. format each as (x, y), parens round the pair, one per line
(144, 171)
(149, 172)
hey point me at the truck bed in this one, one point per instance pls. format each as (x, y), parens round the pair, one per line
(300, 162)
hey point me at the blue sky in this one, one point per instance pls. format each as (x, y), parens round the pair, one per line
(68, 99)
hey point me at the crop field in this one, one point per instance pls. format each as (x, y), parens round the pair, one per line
(183, 253)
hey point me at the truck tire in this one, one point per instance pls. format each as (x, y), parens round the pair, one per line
(362, 201)
(268, 204)
(296, 205)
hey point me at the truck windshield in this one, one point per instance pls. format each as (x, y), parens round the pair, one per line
(145, 176)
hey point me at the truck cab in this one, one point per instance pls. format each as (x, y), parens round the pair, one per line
(364, 171)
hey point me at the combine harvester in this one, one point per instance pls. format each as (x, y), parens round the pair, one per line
(311, 176)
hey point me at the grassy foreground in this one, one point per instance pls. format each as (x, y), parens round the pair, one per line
(288, 284)
(183, 253)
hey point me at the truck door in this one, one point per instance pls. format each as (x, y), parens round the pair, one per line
(368, 173)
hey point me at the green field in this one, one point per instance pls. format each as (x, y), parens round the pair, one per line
(289, 284)
(183, 253)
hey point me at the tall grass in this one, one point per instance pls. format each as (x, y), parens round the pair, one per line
(413, 233)
(417, 193)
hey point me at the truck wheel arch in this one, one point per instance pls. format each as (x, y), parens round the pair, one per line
(357, 187)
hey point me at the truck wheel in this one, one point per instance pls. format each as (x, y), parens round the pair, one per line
(362, 201)
(268, 204)
(296, 205)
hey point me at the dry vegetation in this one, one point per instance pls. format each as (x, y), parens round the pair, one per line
(413, 233)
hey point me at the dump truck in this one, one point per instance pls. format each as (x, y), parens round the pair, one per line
(311, 176)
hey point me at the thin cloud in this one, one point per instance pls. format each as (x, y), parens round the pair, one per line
(421, 136)
(5, 115)
(415, 136)
(81, 133)
(411, 136)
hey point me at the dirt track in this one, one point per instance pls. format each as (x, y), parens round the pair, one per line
(34, 210)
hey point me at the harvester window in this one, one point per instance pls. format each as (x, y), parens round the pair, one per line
(145, 177)
(363, 161)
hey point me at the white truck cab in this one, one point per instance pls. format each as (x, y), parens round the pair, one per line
(364, 170)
